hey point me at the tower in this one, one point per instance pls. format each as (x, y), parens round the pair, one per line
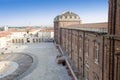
(63, 20)
(114, 17)
(5, 28)
(113, 39)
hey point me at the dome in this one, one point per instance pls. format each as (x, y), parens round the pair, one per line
(67, 16)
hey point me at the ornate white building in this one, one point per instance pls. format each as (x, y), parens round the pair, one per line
(24, 35)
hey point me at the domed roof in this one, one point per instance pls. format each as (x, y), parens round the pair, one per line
(67, 16)
(68, 13)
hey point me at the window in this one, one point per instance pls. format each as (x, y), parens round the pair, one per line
(75, 17)
(70, 17)
(16, 40)
(27, 31)
(106, 57)
(33, 40)
(96, 53)
(13, 41)
(95, 76)
(80, 45)
(87, 47)
(65, 17)
(80, 62)
(22, 41)
(86, 71)
(60, 17)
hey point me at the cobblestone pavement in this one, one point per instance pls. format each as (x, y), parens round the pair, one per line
(47, 68)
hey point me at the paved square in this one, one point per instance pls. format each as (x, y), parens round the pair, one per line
(47, 68)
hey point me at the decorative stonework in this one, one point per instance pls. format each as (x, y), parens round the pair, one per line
(63, 20)
(67, 16)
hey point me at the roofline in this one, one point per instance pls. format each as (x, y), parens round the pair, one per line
(84, 30)
(67, 21)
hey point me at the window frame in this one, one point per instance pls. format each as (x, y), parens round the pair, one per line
(87, 71)
(80, 44)
(87, 47)
(96, 52)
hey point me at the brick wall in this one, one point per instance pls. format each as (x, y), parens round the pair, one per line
(112, 42)
(58, 24)
(73, 41)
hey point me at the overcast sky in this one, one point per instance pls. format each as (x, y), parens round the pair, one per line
(42, 12)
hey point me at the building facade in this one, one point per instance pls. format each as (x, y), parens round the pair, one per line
(112, 42)
(32, 35)
(24, 35)
(84, 50)
(62, 20)
(93, 50)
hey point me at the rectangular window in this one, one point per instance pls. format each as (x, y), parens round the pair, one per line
(86, 71)
(87, 47)
(65, 17)
(86, 75)
(119, 71)
(105, 55)
(96, 53)
(80, 45)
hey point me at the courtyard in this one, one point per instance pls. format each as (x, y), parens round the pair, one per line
(35, 61)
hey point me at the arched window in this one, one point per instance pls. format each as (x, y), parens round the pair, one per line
(33, 40)
(22, 41)
(13, 41)
(36, 40)
(75, 17)
(19, 41)
(65, 17)
(16, 40)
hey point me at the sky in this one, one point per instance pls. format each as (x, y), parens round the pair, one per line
(42, 12)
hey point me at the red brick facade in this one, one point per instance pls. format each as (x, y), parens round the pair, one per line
(112, 42)
(94, 55)
(79, 46)
(63, 20)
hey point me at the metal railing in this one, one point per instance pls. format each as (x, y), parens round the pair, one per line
(101, 30)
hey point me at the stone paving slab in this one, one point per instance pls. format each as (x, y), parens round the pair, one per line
(47, 67)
